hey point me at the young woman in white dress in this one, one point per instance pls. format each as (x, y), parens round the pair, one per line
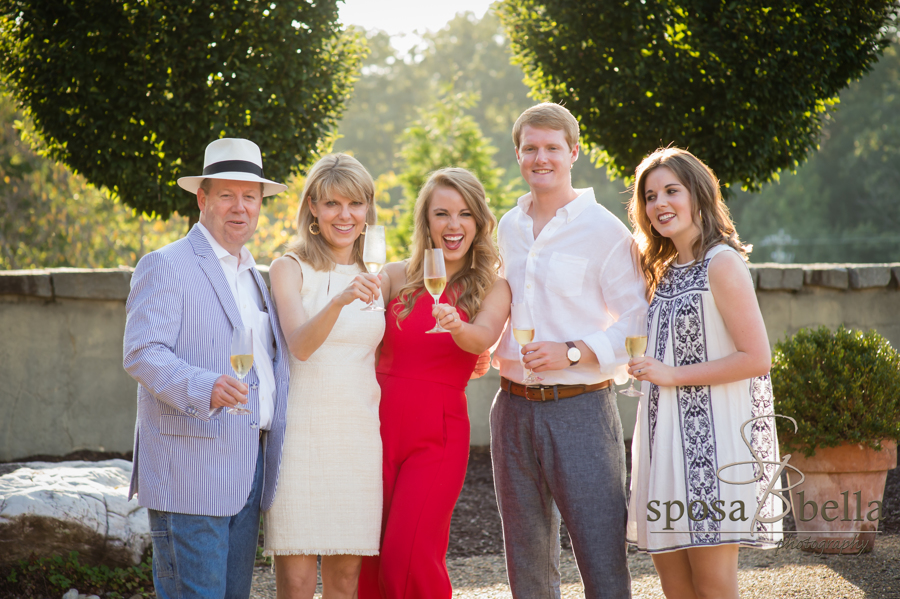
(705, 377)
(329, 496)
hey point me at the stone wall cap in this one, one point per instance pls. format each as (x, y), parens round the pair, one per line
(115, 283)
(773, 276)
(866, 276)
(26, 282)
(834, 276)
(92, 283)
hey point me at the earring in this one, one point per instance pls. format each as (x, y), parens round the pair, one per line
(364, 229)
(652, 231)
(316, 225)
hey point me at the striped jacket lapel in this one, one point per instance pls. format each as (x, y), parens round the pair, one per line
(270, 309)
(210, 265)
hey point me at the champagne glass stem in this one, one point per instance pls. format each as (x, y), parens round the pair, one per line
(437, 323)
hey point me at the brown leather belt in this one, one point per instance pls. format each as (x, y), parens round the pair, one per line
(549, 392)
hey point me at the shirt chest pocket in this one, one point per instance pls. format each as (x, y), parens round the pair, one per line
(565, 275)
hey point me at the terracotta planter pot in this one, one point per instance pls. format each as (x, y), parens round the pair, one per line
(838, 496)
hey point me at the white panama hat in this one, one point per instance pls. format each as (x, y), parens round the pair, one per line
(234, 159)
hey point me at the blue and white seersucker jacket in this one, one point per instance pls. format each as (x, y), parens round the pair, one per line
(180, 316)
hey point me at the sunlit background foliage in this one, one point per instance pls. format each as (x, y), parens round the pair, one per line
(454, 98)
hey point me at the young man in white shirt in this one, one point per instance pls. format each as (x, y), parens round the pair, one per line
(558, 447)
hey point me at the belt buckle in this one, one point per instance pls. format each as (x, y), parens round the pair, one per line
(547, 388)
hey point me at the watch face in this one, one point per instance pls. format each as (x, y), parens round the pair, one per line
(574, 354)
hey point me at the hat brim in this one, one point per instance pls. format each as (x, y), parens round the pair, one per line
(270, 188)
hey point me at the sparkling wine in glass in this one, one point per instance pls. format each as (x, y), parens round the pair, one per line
(635, 345)
(241, 360)
(374, 257)
(523, 332)
(435, 281)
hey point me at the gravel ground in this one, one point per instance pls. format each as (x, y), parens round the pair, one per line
(763, 574)
(477, 568)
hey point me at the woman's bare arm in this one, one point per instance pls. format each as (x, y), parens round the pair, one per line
(480, 334)
(305, 334)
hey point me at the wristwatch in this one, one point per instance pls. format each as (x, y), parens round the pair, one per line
(573, 353)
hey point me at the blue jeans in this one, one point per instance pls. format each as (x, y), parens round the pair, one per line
(553, 457)
(207, 557)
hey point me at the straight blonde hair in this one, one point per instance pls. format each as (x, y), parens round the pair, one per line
(333, 173)
(707, 207)
(548, 115)
(468, 288)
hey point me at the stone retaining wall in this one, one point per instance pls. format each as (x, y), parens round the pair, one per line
(62, 386)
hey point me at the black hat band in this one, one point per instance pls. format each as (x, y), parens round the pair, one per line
(233, 166)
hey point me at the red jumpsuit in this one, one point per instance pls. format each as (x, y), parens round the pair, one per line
(425, 435)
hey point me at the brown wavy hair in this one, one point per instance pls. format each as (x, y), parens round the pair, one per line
(468, 288)
(339, 173)
(707, 207)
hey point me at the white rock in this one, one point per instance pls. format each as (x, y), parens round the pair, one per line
(71, 594)
(54, 508)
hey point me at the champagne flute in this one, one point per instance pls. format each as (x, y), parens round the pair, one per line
(435, 281)
(374, 257)
(523, 331)
(241, 360)
(635, 345)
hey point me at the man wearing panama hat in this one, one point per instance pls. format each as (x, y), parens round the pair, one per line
(203, 473)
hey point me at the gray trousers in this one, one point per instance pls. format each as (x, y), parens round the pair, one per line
(561, 457)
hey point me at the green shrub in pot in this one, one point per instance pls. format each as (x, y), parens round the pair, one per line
(840, 386)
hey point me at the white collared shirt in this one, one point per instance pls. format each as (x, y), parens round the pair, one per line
(581, 278)
(252, 307)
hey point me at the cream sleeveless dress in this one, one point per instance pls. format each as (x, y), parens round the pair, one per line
(684, 435)
(329, 493)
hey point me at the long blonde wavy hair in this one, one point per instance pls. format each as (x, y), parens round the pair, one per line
(707, 207)
(468, 288)
(338, 173)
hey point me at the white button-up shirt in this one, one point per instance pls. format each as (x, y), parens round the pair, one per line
(249, 300)
(580, 277)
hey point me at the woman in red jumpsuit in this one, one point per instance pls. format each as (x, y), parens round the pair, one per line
(424, 420)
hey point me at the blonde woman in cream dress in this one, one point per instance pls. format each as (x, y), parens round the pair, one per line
(329, 495)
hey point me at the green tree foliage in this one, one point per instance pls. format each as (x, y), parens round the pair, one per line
(130, 93)
(468, 54)
(742, 84)
(443, 135)
(841, 205)
(51, 217)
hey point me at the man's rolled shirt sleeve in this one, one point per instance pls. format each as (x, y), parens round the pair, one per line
(154, 314)
(624, 291)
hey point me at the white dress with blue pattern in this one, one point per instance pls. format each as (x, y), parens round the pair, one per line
(685, 435)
